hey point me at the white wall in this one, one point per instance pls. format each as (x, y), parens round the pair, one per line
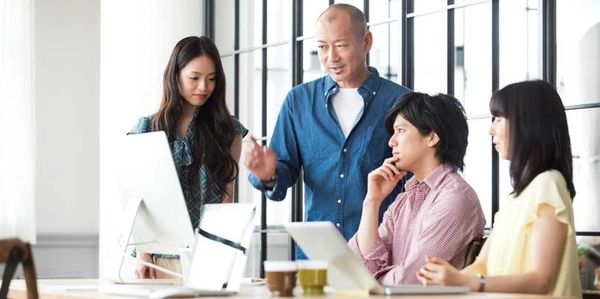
(67, 59)
(67, 92)
(136, 40)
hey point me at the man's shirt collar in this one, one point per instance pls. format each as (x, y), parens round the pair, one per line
(371, 85)
(434, 179)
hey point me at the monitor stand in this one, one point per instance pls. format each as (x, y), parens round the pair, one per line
(131, 214)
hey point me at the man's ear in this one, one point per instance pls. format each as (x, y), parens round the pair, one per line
(433, 139)
(368, 39)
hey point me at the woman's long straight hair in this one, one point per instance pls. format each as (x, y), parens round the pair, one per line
(538, 132)
(215, 129)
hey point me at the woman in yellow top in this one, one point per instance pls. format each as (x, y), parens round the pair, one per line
(532, 247)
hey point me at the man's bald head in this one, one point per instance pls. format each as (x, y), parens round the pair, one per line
(357, 17)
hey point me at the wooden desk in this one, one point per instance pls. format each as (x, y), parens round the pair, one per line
(84, 288)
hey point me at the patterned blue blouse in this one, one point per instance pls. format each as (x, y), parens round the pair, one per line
(195, 195)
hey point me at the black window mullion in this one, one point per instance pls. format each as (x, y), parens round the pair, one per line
(297, 45)
(236, 60)
(588, 233)
(297, 78)
(236, 79)
(450, 50)
(209, 19)
(366, 12)
(408, 44)
(549, 41)
(263, 199)
(366, 9)
(495, 85)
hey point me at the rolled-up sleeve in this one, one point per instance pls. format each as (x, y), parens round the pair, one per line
(285, 144)
(379, 257)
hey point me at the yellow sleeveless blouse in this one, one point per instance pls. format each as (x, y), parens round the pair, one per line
(509, 253)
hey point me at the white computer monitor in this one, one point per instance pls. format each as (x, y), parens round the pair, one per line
(156, 215)
(218, 260)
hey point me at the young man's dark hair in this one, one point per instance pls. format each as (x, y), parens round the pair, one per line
(442, 114)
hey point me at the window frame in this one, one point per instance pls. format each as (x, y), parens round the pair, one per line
(407, 17)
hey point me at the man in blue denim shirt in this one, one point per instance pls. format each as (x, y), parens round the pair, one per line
(332, 128)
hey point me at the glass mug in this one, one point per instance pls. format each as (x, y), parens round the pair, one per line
(312, 276)
(281, 277)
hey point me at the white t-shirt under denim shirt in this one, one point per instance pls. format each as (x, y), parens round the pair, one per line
(348, 106)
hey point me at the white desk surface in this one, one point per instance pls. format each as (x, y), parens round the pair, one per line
(88, 288)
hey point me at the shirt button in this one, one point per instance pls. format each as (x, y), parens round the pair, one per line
(345, 150)
(341, 175)
(337, 224)
(340, 201)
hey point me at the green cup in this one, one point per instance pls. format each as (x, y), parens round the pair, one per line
(312, 276)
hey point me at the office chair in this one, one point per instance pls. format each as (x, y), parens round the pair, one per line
(473, 250)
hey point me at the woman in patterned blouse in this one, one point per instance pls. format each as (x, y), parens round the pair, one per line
(205, 139)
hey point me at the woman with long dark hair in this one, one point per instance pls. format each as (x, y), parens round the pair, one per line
(532, 247)
(205, 139)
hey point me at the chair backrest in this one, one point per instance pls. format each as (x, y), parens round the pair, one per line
(473, 249)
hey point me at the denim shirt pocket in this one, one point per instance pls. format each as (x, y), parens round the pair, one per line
(319, 148)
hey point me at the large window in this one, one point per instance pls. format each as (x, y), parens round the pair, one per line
(467, 48)
(577, 81)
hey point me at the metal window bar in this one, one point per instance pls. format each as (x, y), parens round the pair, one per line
(366, 13)
(209, 20)
(549, 41)
(450, 49)
(408, 44)
(588, 233)
(236, 79)
(297, 78)
(495, 83)
(263, 199)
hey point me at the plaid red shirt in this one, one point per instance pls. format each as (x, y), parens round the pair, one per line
(437, 217)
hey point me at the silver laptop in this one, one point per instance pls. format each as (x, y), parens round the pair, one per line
(322, 241)
(218, 260)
